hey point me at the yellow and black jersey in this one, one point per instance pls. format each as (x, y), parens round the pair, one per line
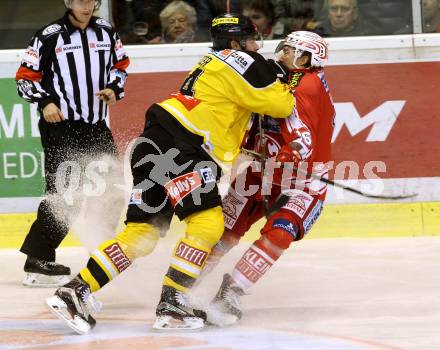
(219, 94)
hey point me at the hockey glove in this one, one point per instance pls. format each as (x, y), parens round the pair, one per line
(289, 154)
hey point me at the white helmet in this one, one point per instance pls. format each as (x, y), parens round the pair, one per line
(68, 3)
(303, 41)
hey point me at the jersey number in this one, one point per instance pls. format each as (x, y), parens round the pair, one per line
(188, 85)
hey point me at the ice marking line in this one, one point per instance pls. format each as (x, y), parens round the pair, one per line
(111, 334)
(342, 337)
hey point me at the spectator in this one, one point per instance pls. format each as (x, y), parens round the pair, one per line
(179, 22)
(431, 16)
(262, 15)
(130, 16)
(208, 9)
(387, 16)
(343, 19)
(297, 14)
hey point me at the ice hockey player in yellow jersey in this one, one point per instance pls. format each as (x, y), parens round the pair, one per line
(175, 164)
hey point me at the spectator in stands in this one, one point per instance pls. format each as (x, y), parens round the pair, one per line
(431, 16)
(179, 22)
(262, 15)
(343, 19)
(387, 16)
(130, 15)
(208, 9)
(298, 14)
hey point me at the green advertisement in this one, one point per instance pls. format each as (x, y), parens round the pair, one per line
(21, 154)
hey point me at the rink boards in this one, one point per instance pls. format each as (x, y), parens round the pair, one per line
(356, 220)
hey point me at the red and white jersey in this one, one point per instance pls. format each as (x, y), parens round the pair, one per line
(311, 124)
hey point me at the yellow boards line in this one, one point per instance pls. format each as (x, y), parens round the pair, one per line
(357, 220)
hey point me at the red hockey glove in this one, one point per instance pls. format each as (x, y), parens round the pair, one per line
(287, 154)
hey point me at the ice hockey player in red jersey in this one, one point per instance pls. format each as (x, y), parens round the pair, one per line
(301, 141)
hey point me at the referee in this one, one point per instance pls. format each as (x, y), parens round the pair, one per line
(74, 68)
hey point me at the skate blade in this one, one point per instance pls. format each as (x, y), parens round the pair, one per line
(59, 309)
(39, 280)
(219, 318)
(168, 323)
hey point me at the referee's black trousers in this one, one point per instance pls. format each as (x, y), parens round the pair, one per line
(63, 141)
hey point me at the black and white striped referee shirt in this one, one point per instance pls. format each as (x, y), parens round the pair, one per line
(68, 66)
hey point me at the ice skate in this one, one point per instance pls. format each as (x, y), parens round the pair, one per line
(74, 304)
(41, 273)
(225, 309)
(174, 312)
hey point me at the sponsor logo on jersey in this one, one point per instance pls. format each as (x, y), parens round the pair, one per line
(313, 216)
(31, 56)
(223, 53)
(240, 61)
(136, 196)
(286, 225)
(193, 255)
(295, 79)
(117, 256)
(182, 186)
(67, 48)
(207, 175)
(99, 46)
(299, 202)
(103, 22)
(54, 28)
(233, 205)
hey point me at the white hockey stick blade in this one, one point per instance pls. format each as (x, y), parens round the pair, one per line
(168, 323)
(59, 308)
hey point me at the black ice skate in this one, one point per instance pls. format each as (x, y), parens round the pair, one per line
(225, 308)
(174, 312)
(41, 273)
(74, 304)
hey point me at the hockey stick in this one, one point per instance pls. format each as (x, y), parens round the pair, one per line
(330, 182)
(282, 198)
(262, 146)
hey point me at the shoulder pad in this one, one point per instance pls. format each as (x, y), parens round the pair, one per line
(281, 71)
(238, 60)
(250, 65)
(261, 72)
(271, 61)
(51, 29)
(103, 23)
